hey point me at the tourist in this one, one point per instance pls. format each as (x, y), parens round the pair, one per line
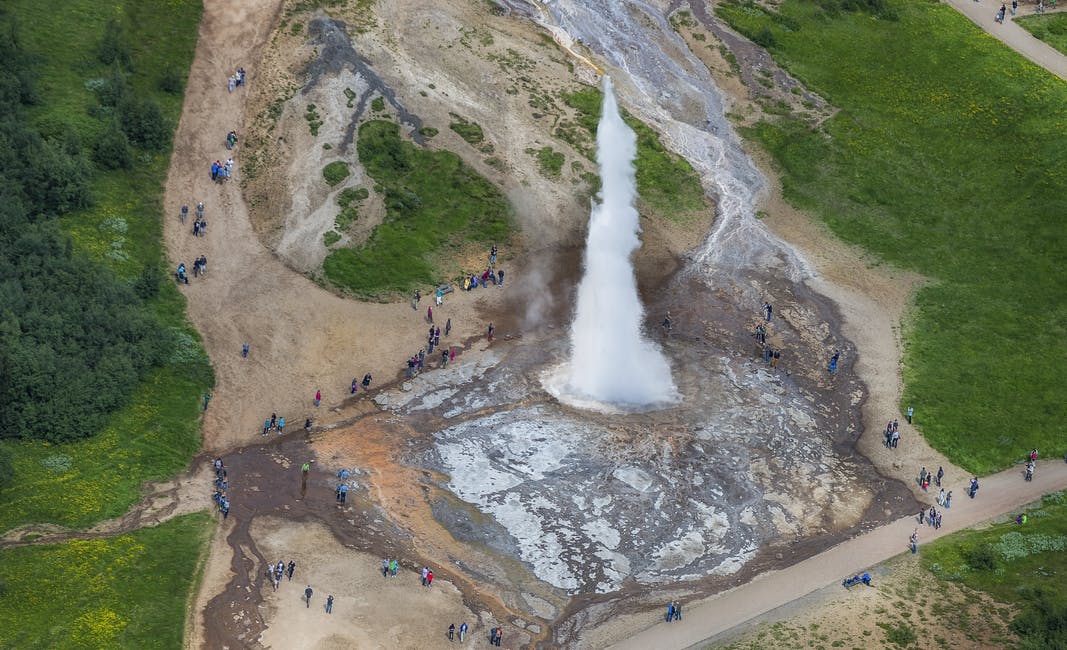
(366, 381)
(429, 579)
(451, 631)
(948, 499)
(329, 604)
(462, 631)
(974, 487)
(415, 298)
(913, 541)
(425, 572)
(185, 213)
(896, 438)
(768, 309)
(677, 611)
(670, 612)
(429, 314)
(922, 476)
(490, 333)
(1014, 6)
(307, 425)
(385, 568)
(492, 254)
(289, 570)
(281, 426)
(393, 566)
(911, 412)
(448, 326)
(500, 277)
(266, 426)
(1000, 14)
(940, 475)
(941, 497)
(439, 297)
(318, 397)
(244, 350)
(307, 596)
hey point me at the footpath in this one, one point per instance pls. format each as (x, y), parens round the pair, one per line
(1012, 35)
(998, 495)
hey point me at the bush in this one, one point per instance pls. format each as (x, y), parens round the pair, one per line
(6, 471)
(764, 38)
(335, 172)
(112, 149)
(113, 47)
(171, 82)
(143, 122)
(146, 286)
(982, 557)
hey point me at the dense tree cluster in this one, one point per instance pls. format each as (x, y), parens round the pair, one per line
(74, 339)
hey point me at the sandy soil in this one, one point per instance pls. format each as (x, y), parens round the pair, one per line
(369, 611)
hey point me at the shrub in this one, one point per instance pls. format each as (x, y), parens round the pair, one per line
(113, 47)
(171, 82)
(335, 172)
(982, 557)
(329, 238)
(143, 122)
(377, 104)
(6, 471)
(112, 148)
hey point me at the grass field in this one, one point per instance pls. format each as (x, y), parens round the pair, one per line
(434, 205)
(156, 435)
(120, 592)
(1051, 28)
(1021, 565)
(946, 158)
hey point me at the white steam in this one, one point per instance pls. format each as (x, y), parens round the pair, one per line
(612, 363)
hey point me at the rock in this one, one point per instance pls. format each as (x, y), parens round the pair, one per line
(407, 387)
(381, 400)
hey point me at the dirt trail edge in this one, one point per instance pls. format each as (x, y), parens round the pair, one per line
(999, 494)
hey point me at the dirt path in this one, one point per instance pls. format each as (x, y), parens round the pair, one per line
(999, 494)
(303, 338)
(1012, 35)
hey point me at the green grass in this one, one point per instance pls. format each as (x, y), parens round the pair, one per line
(377, 104)
(329, 238)
(157, 434)
(434, 204)
(952, 170)
(1051, 28)
(335, 172)
(666, 183)
(549, 161)
(469, 131)
(120, 592)
(1021, 565)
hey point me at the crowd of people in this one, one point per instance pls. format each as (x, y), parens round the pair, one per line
(222, 484)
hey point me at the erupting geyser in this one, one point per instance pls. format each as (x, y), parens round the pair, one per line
(612, 363)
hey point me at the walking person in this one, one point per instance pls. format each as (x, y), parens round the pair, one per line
(922, 476)
(451, 631)
(439, 295)
(415, 298)
(1000, 14)
(941, 497)
(940, 475)
(307, 596)
(948, 499)
(266, 426)
(281, 426)
(768, 309)
(1014, 6)
(329, 604)
(185, 213)
(490, 333)
(677, 611)
(318, 397)
(913, 541)
(911, 412)
(366, 381)
(448, 326)
(670, 612)
(289, 570)
(974, 487)
(425, 571)
(429, 313)
(429, 580)
(462, 631)
(244, 350)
